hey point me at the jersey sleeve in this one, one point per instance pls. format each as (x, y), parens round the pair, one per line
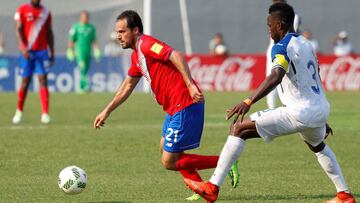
(156, 49)
(279, 57)
(72, 33)
(134, 70)
(18, 16)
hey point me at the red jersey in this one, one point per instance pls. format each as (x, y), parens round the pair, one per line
(35, 22)
(151, 60)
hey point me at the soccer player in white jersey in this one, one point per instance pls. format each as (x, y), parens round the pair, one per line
(273, 95)
(305, 110)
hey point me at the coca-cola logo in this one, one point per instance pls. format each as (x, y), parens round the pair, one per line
(342, 74)
(231, 74)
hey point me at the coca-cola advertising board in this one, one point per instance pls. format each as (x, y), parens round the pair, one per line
(233, 73)
(246, 72)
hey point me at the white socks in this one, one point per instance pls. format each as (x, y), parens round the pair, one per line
(230, 152)
(331, 167)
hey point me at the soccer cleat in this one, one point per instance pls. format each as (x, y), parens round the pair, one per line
(17, 117)
(234, 174)
(342, 197)
(206, 190)
(45, 118)
(193, 197)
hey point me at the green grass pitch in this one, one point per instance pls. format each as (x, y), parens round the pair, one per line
(122, 160)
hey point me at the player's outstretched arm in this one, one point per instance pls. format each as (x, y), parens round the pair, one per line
(180, 63)
(266, 86)
(121, 95)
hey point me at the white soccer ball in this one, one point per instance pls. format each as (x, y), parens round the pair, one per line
(72, 180)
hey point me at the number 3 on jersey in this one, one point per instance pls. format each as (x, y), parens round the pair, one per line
(316, 88)
(169, 135)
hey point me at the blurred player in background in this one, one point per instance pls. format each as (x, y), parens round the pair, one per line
(173, 88)
(82, 38)
(314, 43)
(305, 111)
(35, 36)
(273, 95)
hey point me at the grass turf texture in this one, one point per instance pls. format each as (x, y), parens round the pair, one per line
(122, 160)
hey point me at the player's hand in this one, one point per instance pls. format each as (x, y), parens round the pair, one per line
(328, 131)
(237, 110)
(100, 119)
(97, 54)
(25, 53)
(195, 94)
(70, 55)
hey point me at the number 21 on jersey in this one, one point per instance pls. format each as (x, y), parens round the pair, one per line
(169, 136)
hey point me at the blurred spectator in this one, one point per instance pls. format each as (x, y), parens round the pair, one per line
(217, 46)
(113, 48)
(314, 43)
(2, 46)
(342, 46)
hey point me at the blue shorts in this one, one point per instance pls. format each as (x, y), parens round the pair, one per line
(36, 63)
(183, 130)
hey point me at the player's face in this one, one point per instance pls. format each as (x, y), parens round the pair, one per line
(125, 35)
(274, 26)
(84, 17)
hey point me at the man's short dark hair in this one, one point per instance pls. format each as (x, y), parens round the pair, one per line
(133, 19)
(284, 12)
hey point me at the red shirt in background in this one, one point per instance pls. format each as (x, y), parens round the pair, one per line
(35, 22)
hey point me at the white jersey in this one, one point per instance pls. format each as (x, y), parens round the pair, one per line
(301, 89)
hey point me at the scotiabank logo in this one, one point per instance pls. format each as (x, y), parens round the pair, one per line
(230, 74)
(342, 74)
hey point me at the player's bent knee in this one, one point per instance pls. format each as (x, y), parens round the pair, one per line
(236, 129)
(169, 165)
(244, 130)
(317, 148)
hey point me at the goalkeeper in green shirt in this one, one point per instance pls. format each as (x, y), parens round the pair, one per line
(82, 38)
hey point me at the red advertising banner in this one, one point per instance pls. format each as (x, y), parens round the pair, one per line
(246, 72)
(340, 74)
(233, 73)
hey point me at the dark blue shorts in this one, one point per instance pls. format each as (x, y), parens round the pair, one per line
(36, 63)
(183, 130)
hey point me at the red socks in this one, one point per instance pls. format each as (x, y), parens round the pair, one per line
(192, 175)
(21, 99)
(187, 164)
(196, 162)
(44, 97)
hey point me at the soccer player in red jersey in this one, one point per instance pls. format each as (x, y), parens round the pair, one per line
(35, 36)
(173, 88)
